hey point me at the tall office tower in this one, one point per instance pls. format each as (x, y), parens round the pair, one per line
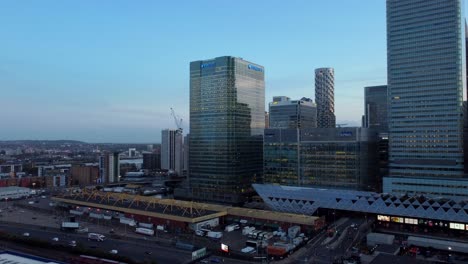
(325, 97)
(426, 81)
(285, 113)
(109, 167)
(375, 108)
(267, 119)
(227, 119)
(375, 118)
(172, 150)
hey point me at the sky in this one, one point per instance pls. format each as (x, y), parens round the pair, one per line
(110, 70)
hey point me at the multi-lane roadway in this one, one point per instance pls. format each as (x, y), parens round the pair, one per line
(139, 250)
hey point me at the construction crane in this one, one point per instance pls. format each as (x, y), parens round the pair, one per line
(177, 120)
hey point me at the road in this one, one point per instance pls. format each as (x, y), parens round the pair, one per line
(322, 249)
(131, 248)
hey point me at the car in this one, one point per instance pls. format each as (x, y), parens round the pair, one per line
(56, 239)
(34, 218)
(204, 261)
(114, 251)
(72, 243)
(26, 234)
(148, 252)
(215, 260)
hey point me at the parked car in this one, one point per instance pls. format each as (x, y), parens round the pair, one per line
(114, 251)
(56, 239)
(26, 234)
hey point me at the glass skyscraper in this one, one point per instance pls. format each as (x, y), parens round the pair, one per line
(227, 119)
(426, 79)
(375, 104)
(285, 113)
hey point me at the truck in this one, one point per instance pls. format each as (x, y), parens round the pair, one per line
(185, 246)
(144, 231)
(276, 251)
(246, 230)
(288, 247)
(70, 225)
(231, 227)
(96, 237)
(297, 241)
(127, 221)
(146, 225)
(215, 235)
(293, 231)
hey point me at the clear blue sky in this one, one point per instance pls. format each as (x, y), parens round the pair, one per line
(109, 71)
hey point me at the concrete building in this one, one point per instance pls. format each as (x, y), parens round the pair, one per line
(287, 113)
(151, 161)
(325, 97)
(227, 119)
(426, 83)
(186, 153)
(132, 152)
(327, 157)
(172, 150)
(84, 175)
(109, 167)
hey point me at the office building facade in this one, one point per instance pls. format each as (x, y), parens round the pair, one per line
(326, 157)
(325, 97)
(375, 108)
(426, 80)
(172, 150)
(287, 113)
(227, 119)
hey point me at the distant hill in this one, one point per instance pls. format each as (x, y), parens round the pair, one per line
(42, 142)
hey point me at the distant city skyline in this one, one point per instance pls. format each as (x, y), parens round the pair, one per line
(109, 71)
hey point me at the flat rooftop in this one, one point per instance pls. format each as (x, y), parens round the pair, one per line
(184, 211)
(8, 257)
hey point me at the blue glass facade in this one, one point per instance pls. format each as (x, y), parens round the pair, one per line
(227, 119)
(426, 75)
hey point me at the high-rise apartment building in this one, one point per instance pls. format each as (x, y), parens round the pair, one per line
(287, 113)
(426, 80)
(227, 119)
(109, 167)
(325, 97)
(172, 150)
(151, 161)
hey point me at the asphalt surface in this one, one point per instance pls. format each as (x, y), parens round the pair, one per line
(137, 250)
(322, 249)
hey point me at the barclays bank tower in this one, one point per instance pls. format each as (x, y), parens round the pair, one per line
(227, 104)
